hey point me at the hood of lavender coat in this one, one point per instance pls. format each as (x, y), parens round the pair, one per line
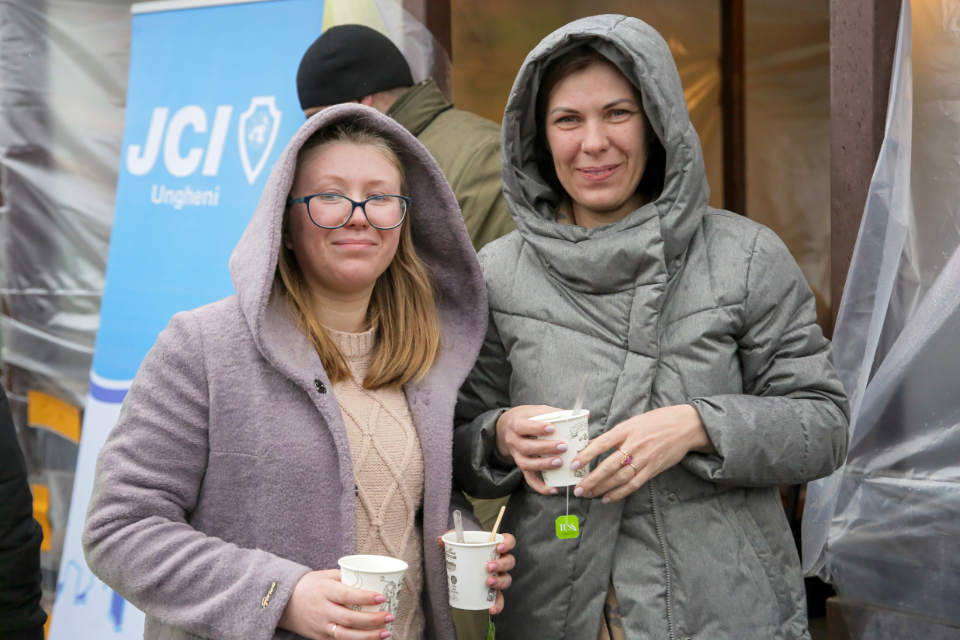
(439, 234)
(612, 257)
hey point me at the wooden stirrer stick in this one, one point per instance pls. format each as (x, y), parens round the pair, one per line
(493, 534)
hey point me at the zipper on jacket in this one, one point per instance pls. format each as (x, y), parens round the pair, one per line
(666, 561)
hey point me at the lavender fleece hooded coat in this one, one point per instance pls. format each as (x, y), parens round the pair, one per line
(228, 475)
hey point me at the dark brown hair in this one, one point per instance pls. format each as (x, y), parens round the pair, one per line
(574, 61)
(402, 307)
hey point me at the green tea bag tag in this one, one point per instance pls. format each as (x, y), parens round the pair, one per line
(568, 527)
(491, 630)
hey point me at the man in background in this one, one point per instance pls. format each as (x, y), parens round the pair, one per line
(354, 63)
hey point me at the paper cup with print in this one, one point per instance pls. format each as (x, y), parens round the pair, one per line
(374, 573)
(574, 431)
(467, 569)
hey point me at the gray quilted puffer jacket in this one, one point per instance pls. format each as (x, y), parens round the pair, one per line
(676, 303)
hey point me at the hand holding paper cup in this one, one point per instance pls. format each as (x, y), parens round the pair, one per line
(572, 428)
(374, 573)
(467, 569)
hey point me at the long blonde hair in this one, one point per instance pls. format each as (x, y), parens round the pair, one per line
(402, 306)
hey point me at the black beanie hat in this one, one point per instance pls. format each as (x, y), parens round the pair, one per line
(348, 62)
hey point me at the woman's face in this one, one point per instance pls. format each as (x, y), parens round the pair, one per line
(348, 260)
(596, 131)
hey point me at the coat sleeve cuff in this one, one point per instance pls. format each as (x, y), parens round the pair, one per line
(480, 471)
(287, 574)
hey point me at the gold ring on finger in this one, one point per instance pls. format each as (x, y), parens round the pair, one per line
(634, 468)
(333, 631)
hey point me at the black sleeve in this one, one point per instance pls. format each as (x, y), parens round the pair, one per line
(21, 617)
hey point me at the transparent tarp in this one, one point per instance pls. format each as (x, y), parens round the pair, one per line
(63, 76)
(890, 520)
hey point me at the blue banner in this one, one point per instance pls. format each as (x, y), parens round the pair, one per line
(211, 102)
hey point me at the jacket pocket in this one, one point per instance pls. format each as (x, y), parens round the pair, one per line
(718, 580)
(773, 568)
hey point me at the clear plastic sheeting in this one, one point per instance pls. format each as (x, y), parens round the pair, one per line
(63, 74)
(890, 520)
(876, 623)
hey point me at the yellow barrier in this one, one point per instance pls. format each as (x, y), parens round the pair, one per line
(46, 412)
(41, 511)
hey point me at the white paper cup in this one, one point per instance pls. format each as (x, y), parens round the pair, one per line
(374, 573)
(467, 569)
(573, 430)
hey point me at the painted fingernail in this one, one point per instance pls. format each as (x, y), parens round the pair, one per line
(491, 582)
(379, 599)
(549, 428)
(390, 618)
(575, 465)
(561, 447)
(606, 500)
(588, 494)
(501, 548)
(384, 635)
(553, 491)
(556, 462)
(491, 567)
(578, 491)
(494, 611)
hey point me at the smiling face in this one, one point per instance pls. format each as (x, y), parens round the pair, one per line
(595, 129)
(344, 262)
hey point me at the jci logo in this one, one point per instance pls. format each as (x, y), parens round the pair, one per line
(257, 133)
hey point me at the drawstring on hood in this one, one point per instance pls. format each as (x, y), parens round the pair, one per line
(617, 256)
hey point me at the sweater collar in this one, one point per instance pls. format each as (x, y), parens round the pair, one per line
(355, 346)
(419, 106)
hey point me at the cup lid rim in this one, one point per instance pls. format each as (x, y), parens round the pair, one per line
(550, 417)
(345, 561)
(454, 542)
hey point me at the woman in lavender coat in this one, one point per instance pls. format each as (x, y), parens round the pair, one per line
(270, 433)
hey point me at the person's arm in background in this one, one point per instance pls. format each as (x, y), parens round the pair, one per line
(21, 617)
(477, 467)
(480, 195)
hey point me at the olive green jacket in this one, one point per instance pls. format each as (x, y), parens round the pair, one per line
(467, 148)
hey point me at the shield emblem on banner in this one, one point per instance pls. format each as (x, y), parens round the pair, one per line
(259, 125)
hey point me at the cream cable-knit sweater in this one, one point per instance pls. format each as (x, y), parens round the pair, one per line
(388, 468)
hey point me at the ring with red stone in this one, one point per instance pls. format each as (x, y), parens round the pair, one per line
(627, 458)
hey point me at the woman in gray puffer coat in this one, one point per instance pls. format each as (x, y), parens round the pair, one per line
(710, 383)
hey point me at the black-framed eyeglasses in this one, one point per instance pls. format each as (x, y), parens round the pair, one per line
(332, 210)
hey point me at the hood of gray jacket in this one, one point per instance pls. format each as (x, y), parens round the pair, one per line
(439, 235)
(607, 258)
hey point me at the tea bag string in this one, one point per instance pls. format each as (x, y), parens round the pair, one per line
(568, 501)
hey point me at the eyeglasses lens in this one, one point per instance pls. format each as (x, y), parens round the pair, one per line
(333, 210)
